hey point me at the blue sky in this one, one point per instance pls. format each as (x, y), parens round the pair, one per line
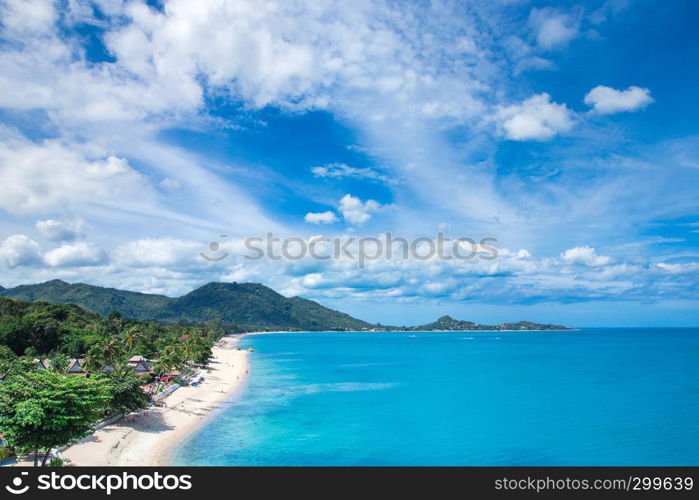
(133, 134)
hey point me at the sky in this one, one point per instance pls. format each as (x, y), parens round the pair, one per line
(138, 138)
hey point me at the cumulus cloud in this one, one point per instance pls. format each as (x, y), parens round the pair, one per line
(66, 229)
(513, 277)
(355, 211)
(36, 178)
(30, 16)
(75, 255)
(586, 256)
(20, 250)
(321, 217)
(607, 100)
(537, 118)
(290, 54)
(552, 28)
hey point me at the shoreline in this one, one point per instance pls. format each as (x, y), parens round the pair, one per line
(151, 437)
(245, 334)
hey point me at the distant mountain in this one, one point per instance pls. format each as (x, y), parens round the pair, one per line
(450, 324)
(256, 305)
(246, 305)
(94, 298)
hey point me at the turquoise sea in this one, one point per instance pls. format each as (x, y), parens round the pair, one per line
(589, 397)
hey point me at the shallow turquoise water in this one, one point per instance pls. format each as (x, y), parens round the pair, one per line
(593, 397)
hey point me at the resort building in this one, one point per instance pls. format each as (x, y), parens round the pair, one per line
(140, 365)
(75, 367)
(42, 364)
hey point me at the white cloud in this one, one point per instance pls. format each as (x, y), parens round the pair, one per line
(292, 54)
(537, 118)
(398, 75)
(29, 16)
(340, 170)
(75, 255)
(20, 250)
(321, 217)
(355, 211)
(586, 256)
(66, 229)
(170, 184)
(158, 252)
(552, 29)
(607, 100)
(677, 268)
(36, 178)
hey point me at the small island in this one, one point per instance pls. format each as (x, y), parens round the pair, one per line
(449, 324)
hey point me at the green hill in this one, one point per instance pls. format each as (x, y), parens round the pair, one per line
(94, 298)
(246, 305)
(255, 305)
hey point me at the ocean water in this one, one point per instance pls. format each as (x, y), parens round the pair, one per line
(590, 397)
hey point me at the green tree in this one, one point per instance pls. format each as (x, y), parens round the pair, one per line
(7, 354)
(110, 351)
(42, 410)
(114, 316)
(215, 329)
(59, 363)
(200, 349)
(131, 337)
(170, 358)
(92, 362)
(126, 393)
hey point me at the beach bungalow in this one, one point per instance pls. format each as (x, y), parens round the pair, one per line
(140, 365)
(75, 367)
(42, 364)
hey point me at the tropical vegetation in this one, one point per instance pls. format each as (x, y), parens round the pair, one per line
(41, 410)
(44, 404)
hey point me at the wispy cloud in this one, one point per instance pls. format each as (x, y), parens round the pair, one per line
(446, 107)
(340, 170)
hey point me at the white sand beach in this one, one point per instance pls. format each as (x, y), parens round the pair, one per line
(151, 436)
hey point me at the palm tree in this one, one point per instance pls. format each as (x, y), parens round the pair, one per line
(170, 358)
(110, 351)
(59, 363)
(131, 337)
(92, 362)
(189, 350)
